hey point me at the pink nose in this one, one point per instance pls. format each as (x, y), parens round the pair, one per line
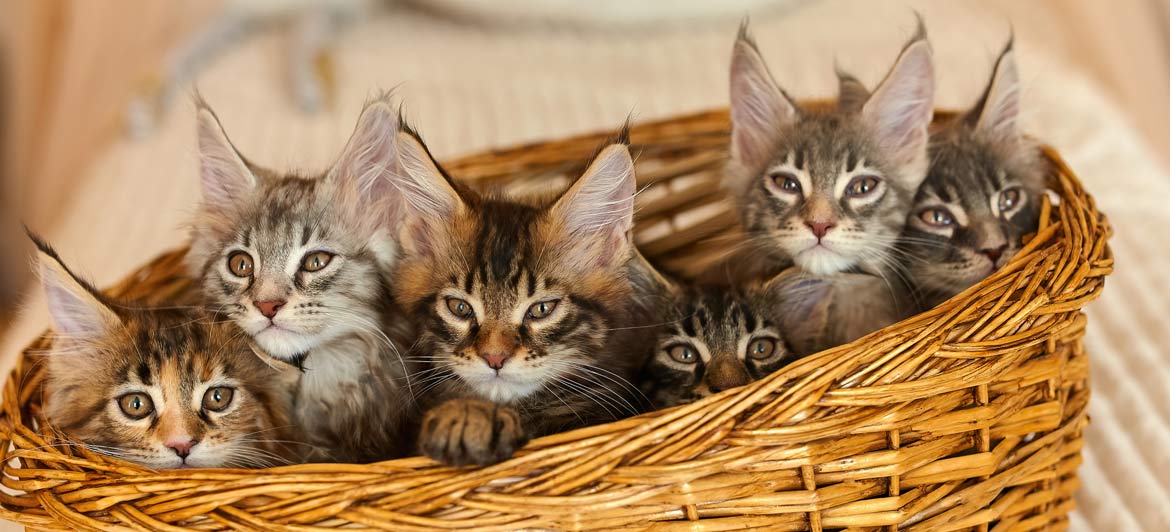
(270, 308)
(182, 447)
(820, 229)
(495, 360)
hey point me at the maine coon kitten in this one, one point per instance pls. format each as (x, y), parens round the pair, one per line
(982, 193)
(301, 263)
(715, 338)
(162, 387)
(524, 306)
(828, 188)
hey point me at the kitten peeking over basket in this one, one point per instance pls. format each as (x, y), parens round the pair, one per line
(162, 387)
(981, 195)
(301, 263)
(524, 306)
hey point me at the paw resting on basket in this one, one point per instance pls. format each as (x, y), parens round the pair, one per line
(471, 432)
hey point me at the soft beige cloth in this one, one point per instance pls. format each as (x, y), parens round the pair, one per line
(470, 88)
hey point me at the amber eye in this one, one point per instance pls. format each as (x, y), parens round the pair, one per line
(683, 354)
(240, 264)
(460, 308)
(218, 398)
(936, 217)
(541, 310)
(762, 348)
(316, 260)
(786, 181)
(136, 405)
(862, 186)
(1009, 199)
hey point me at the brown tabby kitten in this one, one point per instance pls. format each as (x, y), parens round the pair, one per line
(162, 387)
(524, 306)
(716, 338)
(301, 263)
(981, 195)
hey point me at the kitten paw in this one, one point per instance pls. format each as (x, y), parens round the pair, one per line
(471, 432)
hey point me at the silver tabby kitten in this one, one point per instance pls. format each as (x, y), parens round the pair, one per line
(301, 264)
(827, 188)
(981, 195)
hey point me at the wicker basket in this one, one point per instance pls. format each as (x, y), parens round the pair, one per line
(968, 416)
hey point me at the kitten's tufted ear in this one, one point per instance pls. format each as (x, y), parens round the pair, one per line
(596, 213)
(226, 177)
(77, 312)
(426, 196)
(759, 108)
(900, 109)
(371, 155)
(998, 109)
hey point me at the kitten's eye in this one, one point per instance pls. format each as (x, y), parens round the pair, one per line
(786, 181)
(460, 308)
(936, 217)
(136, 405)
(240, 264)
(541, 310)
(862, 186)
(762, 348)
(683, 354)
(218, 398)
(1008, 199)
(316, 260)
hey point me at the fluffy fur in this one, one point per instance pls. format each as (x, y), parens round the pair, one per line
(524, 306)
(981, 196)
(313, 287)
(194, 392)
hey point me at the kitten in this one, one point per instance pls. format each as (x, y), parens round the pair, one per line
(828, 188)
(524, 306)
(716, 338)
(301, 264)
(982, 193)
(162, 387)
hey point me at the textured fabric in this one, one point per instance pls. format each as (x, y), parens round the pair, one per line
(470, 88)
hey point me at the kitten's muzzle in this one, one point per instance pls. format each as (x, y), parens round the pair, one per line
(269, 308)
(496, 348)
(724, 373)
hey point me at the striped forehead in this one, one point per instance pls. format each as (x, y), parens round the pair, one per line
(503, 248)
(168, 348)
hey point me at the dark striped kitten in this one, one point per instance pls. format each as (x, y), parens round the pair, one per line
(162, 387)
(716, 338)
(827, 188)
(981, 195)
(524, 306)
(301, 263)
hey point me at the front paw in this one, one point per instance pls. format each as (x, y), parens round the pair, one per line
(471, 432)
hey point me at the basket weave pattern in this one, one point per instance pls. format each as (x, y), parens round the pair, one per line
(968, 416)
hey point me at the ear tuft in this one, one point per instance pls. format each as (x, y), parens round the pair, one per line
(74, 306)
(226, 177)
(900, 110)
(998, 110)
(759, 108)
(426, 196)
(597, 211)
(371, 155)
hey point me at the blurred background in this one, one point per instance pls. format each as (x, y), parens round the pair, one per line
(97, 144)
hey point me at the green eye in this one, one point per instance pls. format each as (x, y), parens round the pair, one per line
(683, 354)
(136, 405)
(937, 217)
(218, 398)
(762, 348)
(1009, 199)
(460, 308)
(541, 310)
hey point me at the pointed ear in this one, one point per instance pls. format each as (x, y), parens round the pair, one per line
(596, 213)
(998, 110)
(900, 109)
(427, 199)
(851, 92)
(226, 177)
(371, 155)
(759, 108)
(76, 311)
